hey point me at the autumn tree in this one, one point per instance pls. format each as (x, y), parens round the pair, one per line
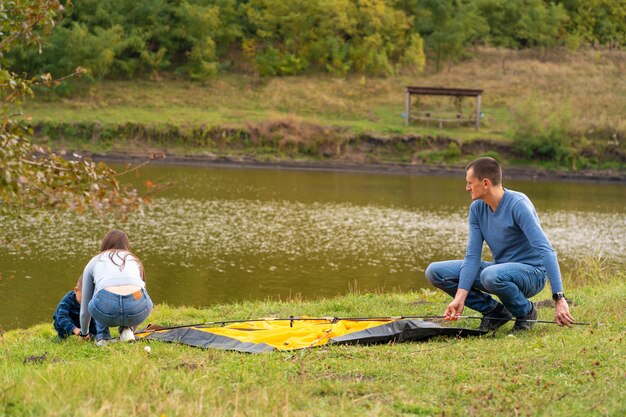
(31, 176)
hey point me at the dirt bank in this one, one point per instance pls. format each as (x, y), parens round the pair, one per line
(284, 144)
(510, 172)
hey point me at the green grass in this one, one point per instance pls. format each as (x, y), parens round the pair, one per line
(142, 103)
(549, 371)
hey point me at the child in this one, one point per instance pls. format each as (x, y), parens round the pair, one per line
(67, 315)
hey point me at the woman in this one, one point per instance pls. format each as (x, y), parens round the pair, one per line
(114, 290)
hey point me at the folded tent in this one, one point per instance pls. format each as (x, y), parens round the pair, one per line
(266, 335)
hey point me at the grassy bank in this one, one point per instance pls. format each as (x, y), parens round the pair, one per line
(560, 109)
(547, 372)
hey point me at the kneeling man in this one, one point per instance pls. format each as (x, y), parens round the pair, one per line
(523, 257)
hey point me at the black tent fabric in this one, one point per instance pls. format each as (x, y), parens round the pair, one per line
(403, 331)
(205, 339)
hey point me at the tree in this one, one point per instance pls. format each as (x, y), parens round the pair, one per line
(134, 38)
(287, 34)
(502, 17)
(286, 37)
(597, 21)
(542, 26)
(414, 57)
(382, 35)
(31, 176)
(455, 25)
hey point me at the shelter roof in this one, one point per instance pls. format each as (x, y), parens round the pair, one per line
(438, 91)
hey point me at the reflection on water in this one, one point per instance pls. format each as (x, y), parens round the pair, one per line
(226, 234)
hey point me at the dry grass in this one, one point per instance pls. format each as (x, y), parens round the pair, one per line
(592, 270)
(292, 131)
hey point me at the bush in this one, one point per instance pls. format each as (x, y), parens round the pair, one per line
(538, 137)
(453, 151)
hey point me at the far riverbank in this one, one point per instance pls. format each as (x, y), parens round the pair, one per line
(458, 170)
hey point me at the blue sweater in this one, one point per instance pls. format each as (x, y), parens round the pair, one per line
(67, 316)
(513, 233)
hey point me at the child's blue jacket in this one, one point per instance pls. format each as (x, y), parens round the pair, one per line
(67, 316)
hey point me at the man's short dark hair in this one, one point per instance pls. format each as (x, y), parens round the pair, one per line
(486, 167)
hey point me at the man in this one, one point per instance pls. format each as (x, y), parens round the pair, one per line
(523, 257)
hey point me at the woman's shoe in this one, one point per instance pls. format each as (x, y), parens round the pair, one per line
(127, 335)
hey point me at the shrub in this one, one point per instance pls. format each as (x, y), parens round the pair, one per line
(539, 137)
(453, 151)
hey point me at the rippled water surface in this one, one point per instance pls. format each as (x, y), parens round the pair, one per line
(223, 234)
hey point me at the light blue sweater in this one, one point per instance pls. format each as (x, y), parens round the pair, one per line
(513, 233)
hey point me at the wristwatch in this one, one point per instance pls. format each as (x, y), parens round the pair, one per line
(558, 295)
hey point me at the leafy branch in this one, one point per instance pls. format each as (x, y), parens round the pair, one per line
(33, 177)
(22, 17)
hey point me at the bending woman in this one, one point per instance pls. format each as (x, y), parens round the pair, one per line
(114, 290)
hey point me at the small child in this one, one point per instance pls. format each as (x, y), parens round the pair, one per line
(67, 315)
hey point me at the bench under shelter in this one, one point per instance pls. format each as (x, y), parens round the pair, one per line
(429, 116)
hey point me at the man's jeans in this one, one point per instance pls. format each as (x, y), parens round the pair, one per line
(110, 310)
(512, 282)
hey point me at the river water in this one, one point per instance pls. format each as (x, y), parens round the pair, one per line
(230, 234)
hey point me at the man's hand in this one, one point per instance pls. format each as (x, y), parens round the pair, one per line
(562, 314)
(455, 308)
(76, 331)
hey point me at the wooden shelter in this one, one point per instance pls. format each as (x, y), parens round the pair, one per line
(436, 91)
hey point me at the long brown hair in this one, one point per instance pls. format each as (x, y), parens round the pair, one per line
(116, 241)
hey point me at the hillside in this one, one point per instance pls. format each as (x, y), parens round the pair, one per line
(563, 107)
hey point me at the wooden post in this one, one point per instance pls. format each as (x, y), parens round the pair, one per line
(477, 124)
(407, 110)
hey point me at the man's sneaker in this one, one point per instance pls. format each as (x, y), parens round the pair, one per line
(127, 335)
(102, 342)
(526, 322)
(495, 319)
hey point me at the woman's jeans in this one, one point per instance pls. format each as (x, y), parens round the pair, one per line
(110, 310)
(512, 282)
